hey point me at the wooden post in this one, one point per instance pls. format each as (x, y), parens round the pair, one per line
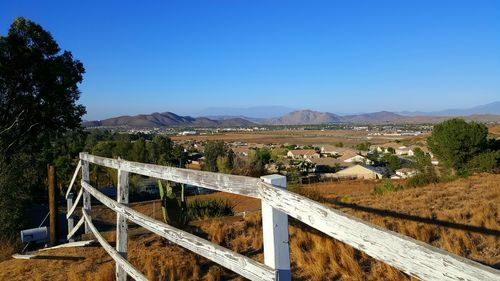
(275, 228)
(52, 204)
(121, 223)
(69, 205)
(86, 194)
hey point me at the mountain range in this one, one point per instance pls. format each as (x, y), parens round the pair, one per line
(166, 119)
(490, 108)
(298, 117)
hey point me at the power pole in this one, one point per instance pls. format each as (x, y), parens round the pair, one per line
(52, 204)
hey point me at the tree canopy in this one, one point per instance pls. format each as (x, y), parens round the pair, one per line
(455, 142)
(38, 109)
(38, 88)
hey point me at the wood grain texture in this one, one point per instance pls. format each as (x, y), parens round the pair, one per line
(121, 223)
(240, 264)
(410, 256)
(227, 183)
(86, 196)
(75, 174)
(120, 261)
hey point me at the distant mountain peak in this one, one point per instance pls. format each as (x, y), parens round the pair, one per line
(166, 119)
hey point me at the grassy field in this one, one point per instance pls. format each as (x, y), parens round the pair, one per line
(461, 216)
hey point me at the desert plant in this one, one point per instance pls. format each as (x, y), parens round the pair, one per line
(174, 206)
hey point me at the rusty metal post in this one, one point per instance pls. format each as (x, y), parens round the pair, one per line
(52, 204)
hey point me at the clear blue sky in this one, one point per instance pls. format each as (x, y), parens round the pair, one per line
(337, 56)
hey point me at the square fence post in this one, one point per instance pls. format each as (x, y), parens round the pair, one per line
(275, 228)
(86, 194)
(69, 205)
(121, 223)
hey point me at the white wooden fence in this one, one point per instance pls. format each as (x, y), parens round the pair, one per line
(413, 257)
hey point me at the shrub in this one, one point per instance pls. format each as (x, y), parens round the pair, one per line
(364, 146)
(387, 187)
(485, 162)
(202, 209)
(422, 180)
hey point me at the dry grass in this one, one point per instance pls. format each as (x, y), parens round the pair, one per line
(460, 216)
(8, 248)
(300, 137)
(494, 130)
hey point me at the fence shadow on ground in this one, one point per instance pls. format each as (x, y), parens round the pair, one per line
(394, 214)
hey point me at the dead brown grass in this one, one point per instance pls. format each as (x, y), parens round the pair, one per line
(300, 137)
(8, 248)
(455, 216)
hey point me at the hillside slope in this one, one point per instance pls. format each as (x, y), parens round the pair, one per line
(462, 217)
(165, 119)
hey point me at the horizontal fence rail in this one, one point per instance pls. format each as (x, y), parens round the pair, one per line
(240, 264)
(246, 186)
(413, 257)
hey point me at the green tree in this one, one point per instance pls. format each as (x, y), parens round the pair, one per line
(139, 151)
(224, 165)
(213, 149)
(485, 162)
(391, 161)
(38, 89)
(278, 153)
(426, 173)
(38, 95)
(454, 142)
(262, 156)
(364, 146)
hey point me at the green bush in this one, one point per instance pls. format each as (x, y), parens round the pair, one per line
(202, 209)
(422, 180)
(485, 162)
(387, 187)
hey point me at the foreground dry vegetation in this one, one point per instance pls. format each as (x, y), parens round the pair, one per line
(460, 216)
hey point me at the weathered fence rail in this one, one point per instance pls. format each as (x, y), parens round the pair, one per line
(410, 256)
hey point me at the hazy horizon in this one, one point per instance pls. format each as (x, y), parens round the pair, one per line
(262, 113)
(339, 57)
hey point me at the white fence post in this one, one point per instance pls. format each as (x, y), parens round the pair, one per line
(86, 194)
(275, 228)
(69, 205)
(121, 223)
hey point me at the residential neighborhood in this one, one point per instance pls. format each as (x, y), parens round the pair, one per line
(322, 162)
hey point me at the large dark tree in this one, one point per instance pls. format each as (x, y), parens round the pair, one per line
(38, 89)
(455, 142)
(38, 110)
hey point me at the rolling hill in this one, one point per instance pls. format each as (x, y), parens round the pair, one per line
(305, 117)
(165, 119)
(299, 117)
